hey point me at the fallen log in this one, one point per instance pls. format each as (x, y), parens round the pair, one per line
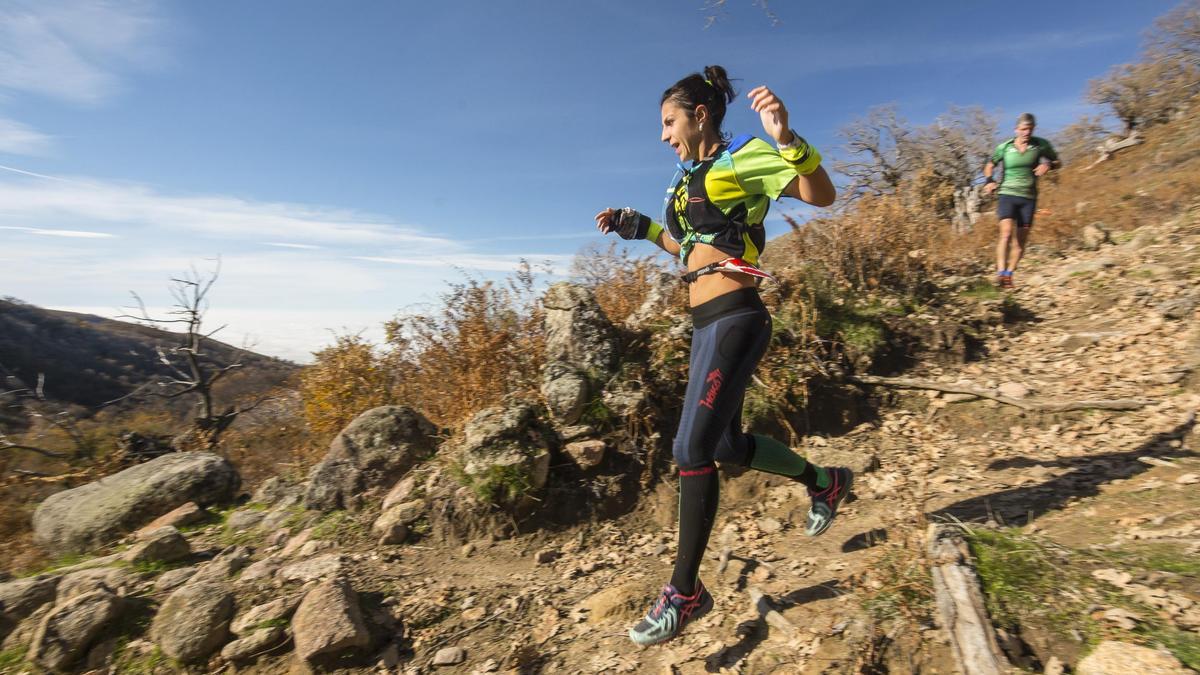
(1033, 406)
(960, 605)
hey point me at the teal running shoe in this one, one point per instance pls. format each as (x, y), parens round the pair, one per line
(670, 614)
(825, 502)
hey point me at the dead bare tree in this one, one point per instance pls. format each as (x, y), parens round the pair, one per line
(193, 370)
(31, 402)
(931, 166)
(875, 145)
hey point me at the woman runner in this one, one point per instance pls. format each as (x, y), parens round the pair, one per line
(714, 219)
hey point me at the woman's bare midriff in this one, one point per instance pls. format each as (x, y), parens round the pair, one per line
(710, 286)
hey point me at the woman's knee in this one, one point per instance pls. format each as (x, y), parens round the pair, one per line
(686, 456)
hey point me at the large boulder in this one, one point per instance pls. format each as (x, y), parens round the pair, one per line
(328, 621)
(193, 621)
(577, 330)
(566, 390)
(371, 453)
(20, 598)
(504, 454)
(69, 629)
(97, 513)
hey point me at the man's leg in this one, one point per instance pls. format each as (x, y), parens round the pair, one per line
(1003, 246)
(1018, 246)
(1024, 219)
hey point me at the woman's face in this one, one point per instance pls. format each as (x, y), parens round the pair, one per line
(681, 131)
(1024, 130)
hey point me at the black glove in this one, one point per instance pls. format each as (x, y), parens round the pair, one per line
(629, 224)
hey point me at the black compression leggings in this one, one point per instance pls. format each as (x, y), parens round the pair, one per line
(729, 336)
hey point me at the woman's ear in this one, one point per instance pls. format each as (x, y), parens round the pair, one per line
(700, 114)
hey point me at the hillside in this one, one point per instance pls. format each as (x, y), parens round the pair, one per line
(88, 360)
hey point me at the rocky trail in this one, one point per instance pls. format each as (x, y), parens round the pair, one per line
(1114, 323)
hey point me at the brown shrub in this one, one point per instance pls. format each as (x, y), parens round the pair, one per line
(620, 281)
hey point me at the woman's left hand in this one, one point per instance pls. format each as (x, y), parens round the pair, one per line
(773, 113)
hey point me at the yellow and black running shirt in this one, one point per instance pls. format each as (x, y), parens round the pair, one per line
(723, 200)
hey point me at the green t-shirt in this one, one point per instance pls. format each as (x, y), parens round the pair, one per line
(1019, 180)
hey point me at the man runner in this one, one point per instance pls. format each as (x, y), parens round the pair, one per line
(1023, 159)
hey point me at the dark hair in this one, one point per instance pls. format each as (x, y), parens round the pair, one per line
(711, 90)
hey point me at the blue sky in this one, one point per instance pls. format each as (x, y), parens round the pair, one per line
(346, 159)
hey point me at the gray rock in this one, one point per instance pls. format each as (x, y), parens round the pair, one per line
(1123, 658)
(371, 453)
(225, 565)
(165, 544)
(193, 621)
(263, 569)
(185, 515)
(324, 566)
(22, 636)
(22, 597)
(449, 656)
(244, 519)
(254, 645)
(328, 621)
(172, 579)
(399, 493)
(575, 432)
(1179, 308)
(1094, 235)
(274, 490)
(506, 441)
(273, 611)
(392, 526)
(64, 634)
(94, 514)
(566, 391)
(577, 331)
(109, 579)
(586, 454)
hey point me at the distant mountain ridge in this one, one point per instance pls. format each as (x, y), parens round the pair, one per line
(88, 360)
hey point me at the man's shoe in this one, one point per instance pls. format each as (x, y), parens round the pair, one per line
(825, 502)
(670, 614)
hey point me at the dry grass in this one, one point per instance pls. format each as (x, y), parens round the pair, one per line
(482, 344)
(620, 281)
(1143, 185)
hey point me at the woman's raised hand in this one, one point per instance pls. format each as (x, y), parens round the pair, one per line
(773, 113)
(605, 222)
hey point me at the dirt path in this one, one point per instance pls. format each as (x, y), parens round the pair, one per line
(1119, 322)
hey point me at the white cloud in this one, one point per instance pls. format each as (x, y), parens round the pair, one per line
(217, 216)
(328, 270)
(21, 139)
(70, 49)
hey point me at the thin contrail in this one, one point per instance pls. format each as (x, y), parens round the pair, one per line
(35, 175)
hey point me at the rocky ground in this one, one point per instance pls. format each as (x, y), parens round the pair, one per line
(1111, 493)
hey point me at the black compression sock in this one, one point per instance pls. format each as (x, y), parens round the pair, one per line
(699, 489)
